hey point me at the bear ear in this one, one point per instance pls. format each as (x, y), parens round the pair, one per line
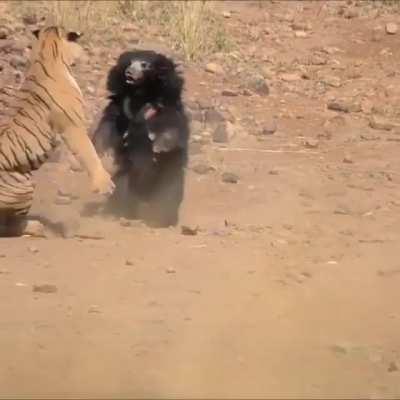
(73, 36)
(36, 33)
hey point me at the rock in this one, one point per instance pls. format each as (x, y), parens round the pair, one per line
(259, 86)
(311, 143)
(230, 93)
(213, 117)
(350, 13)
(62, 200)
(343, 106)
(202, 168)
(189, 231)
(300, 34)
(393, 366)
(288, 77)
(380, 123)
(318, 59)
(33, 249)
(18, 61)
(269, 127)
(30, 19)
(125, 222)
(347, 160)
(7, 46)
(226, 14)
(214, 68)
(170, 270)
(45, 288)
(391, 28)
(301, 26)
(129, 263)
(333, 81)
(3, 33)
(273, 172)
(220, 134)
(229, 177)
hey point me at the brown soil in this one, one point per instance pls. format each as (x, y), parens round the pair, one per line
(290, 289)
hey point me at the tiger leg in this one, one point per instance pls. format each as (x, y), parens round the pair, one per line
(16, 196)
(81, 146)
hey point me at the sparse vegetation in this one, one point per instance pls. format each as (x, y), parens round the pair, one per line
(190, 27)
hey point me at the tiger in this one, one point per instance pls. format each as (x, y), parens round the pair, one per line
(48, 103)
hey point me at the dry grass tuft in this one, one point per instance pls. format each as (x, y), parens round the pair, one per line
(191, 27)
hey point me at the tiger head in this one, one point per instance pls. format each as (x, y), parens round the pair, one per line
(54, 43)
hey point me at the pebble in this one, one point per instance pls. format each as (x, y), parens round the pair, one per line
(229, 93)
(214, 68)
(229, 177)
(33, 249)
(129, 263)
(3, 33)
(391, 28)
(311, 143)
(269, 127)
(347, 160)
(220, 134)
(62, 200)
(18, 61)
(260, 86)
(45, 288)
(393, 366)
(343, 106)
(170, 270)
(189, 231)
(226, 14)
(300, 34)
(380, 123)
(288, 77)
(202, 169)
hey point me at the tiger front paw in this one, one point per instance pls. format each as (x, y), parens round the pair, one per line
(102, 183)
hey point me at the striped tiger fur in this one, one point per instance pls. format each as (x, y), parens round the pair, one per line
(48, 102)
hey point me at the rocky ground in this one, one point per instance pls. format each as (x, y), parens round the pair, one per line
(282, 279)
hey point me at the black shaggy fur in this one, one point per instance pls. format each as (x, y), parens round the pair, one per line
(146, 127)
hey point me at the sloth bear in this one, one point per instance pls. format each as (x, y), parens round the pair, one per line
(146, 129)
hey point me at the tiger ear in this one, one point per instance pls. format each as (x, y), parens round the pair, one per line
(73, 36)
(36, 33)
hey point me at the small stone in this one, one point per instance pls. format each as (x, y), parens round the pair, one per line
(391, 28)
(45, 288)
(220, 134)
(30, 19)
(202, 169)
(3, 33)
(226, 14)
(170, 270)
(18, 61)
(333, 81)
(62, 200)
(129, 263)
(317, 59)
(300, 34)
(33, 249)
(214, 68)
(347, 160)
(229, 93)
(259, 86)
(340, 349)
(230, 177)
(213, 117)
(350, 13)
(189, 231)
(344, 106)
(125, 222)
(287, 77)
(273, 172)
(380, 123)
(393, 366)
(269, 127)
(311, 143)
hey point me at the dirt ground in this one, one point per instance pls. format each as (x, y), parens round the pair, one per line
(289, 289)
